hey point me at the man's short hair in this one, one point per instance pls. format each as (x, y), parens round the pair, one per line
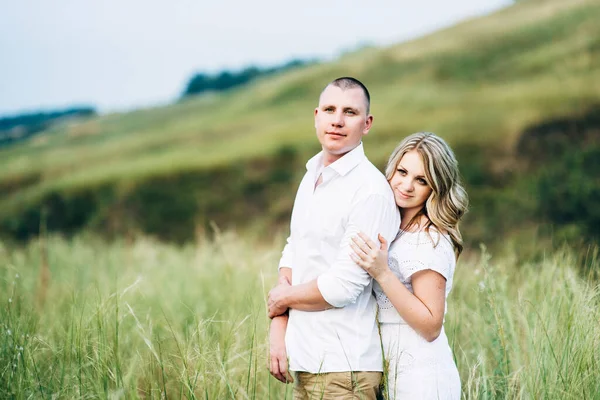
(347, 82)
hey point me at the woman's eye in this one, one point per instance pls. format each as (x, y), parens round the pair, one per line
(402, 172)
(422, 181)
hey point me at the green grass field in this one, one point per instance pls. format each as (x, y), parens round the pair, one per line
(139, 319)
(134, 317)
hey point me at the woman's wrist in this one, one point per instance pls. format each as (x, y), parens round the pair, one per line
(385, 277)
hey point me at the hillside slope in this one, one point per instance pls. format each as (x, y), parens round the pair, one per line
(479, 84)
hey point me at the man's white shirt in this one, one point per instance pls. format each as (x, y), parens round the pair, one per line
(353, 197)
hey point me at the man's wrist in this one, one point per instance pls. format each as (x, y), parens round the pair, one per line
(282, 317)
(283, 280)
(285, 299)
(286, 314)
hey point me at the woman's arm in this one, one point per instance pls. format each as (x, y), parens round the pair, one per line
(423, 310)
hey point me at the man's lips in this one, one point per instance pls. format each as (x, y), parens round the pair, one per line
(335, 134)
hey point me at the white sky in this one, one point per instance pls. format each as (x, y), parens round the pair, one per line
(123, 54)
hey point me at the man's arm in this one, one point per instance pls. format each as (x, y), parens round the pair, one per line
(278, 365)
(278, 355)
(344, 281)
(304, 297)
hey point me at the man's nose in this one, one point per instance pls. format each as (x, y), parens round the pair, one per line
(337, 119)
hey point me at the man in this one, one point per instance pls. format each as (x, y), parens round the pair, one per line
(330, 334)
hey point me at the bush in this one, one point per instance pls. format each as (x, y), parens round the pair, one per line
(569, 190)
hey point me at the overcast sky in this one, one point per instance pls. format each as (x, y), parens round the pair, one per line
(123, 54)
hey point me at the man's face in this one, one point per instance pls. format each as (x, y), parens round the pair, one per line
(341, 121)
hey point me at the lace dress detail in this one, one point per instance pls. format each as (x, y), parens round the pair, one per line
(382, 300)
(416, 368)
(412, 252)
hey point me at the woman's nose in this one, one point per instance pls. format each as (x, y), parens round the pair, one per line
(407, 185)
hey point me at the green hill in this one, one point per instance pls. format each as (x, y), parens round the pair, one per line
(235, 157)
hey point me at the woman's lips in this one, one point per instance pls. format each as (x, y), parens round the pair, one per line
(403, 195)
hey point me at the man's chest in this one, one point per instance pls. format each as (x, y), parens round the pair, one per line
(322, 212)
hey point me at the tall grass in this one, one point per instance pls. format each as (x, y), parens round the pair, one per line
(526, 331)
(140, 319)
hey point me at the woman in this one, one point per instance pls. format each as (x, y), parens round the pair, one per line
(414, 277)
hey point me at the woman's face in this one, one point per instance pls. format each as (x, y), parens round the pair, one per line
(409, 183)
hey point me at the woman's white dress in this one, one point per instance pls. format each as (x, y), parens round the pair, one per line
(417, 369)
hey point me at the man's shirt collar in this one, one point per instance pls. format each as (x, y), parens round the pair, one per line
(343, 165)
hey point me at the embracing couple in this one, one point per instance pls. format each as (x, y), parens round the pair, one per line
(368, 265)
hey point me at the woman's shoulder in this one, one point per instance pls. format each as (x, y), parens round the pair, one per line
(423, 242)
(424, 249)
(423, 234)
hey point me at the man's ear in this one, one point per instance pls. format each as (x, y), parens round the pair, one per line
(368, 124)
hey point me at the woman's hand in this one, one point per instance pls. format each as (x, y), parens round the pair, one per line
(369, 256)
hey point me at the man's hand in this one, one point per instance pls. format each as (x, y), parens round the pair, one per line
(278, 366)
(276, 297)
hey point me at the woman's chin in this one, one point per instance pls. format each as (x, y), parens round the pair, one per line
(402, 203)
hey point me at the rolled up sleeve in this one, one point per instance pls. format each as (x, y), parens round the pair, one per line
(287, 255)
(344, 282)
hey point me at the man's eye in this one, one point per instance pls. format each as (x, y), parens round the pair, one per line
(329, 109)
(350, 112)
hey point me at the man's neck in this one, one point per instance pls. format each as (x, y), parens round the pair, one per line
(329, 158)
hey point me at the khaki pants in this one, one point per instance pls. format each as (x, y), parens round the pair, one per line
(336, 385)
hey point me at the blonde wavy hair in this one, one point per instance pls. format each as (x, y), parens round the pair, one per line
(448, 201)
